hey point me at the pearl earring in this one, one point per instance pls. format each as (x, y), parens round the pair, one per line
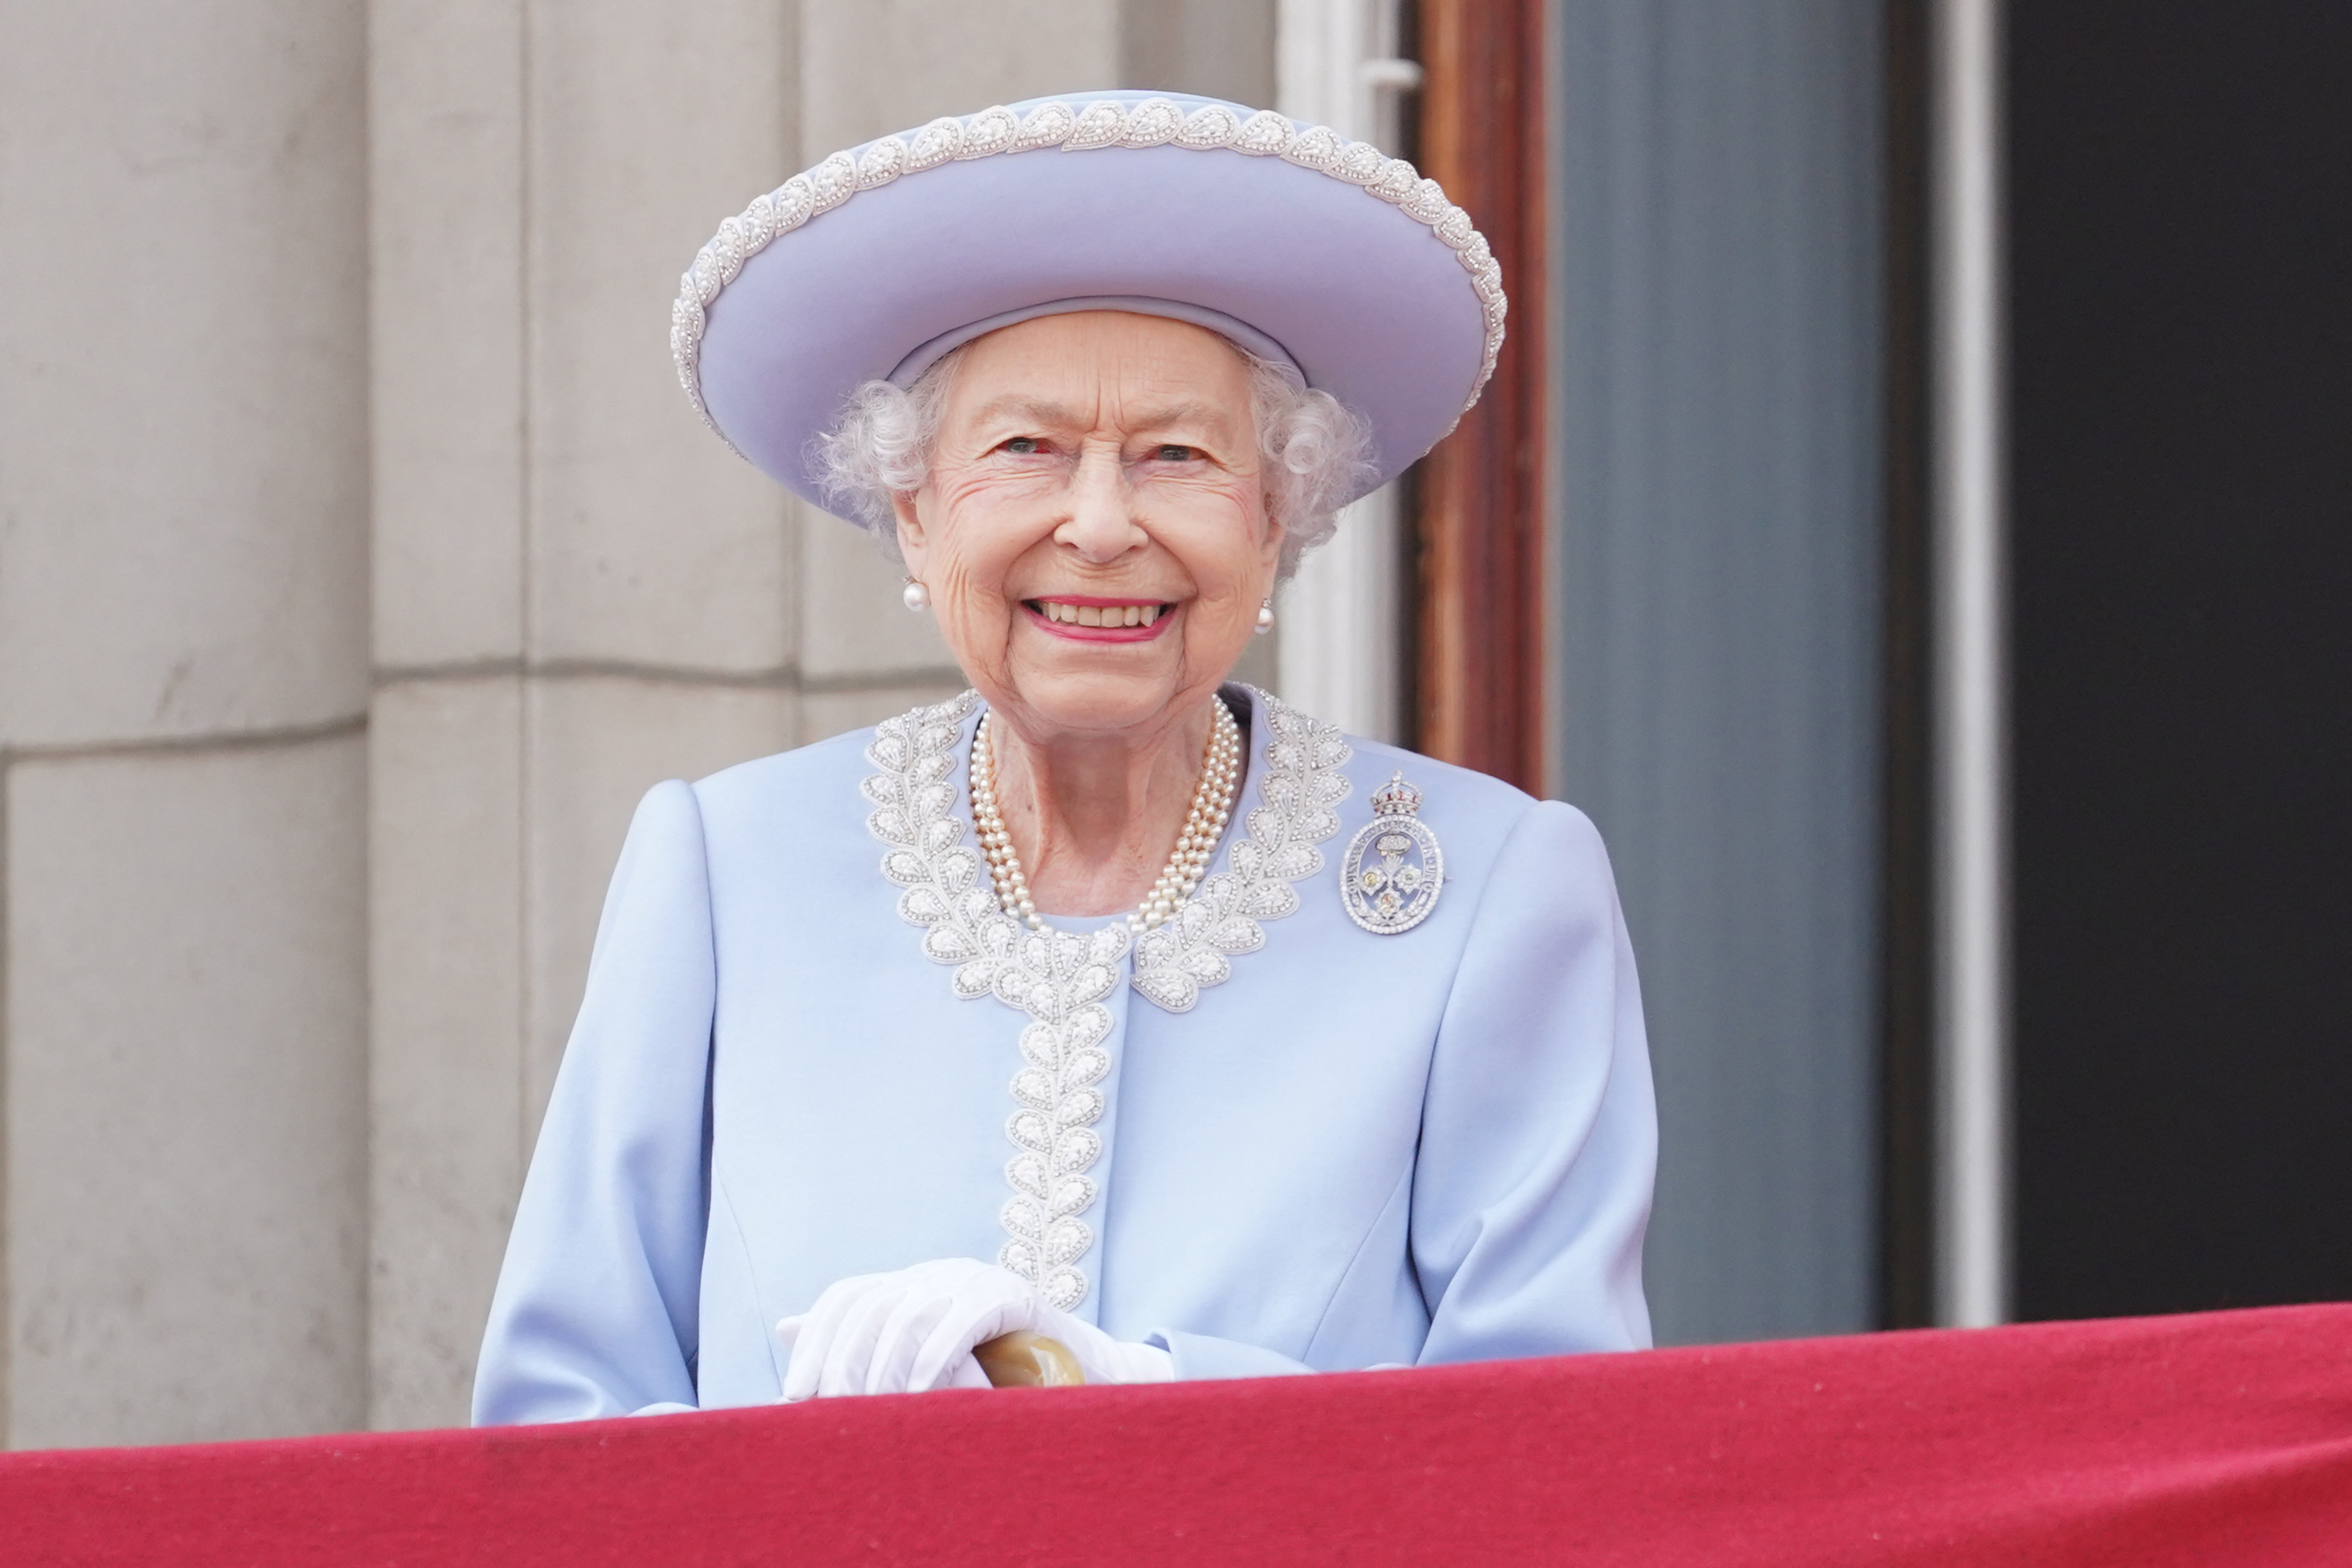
(1265, 617)
(918, 597)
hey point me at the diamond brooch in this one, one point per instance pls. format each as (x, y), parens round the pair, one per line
(1394, 870)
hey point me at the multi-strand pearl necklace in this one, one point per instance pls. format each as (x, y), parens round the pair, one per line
(1196, 845)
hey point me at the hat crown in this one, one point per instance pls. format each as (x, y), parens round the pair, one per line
(1233, 218)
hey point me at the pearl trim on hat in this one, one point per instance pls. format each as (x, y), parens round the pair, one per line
(1153, 122)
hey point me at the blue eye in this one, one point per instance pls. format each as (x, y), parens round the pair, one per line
(1173, 454)
(1024, 446)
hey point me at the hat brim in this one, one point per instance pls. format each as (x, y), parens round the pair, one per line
(1381, 303)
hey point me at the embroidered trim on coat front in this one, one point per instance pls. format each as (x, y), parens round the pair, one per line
(1300, 784)
(1059, 978)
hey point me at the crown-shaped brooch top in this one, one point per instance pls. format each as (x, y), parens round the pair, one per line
(1396, 798)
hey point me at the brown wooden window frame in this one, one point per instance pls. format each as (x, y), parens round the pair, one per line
(1479, 497)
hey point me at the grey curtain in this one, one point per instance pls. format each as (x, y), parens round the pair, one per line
(1717, 346)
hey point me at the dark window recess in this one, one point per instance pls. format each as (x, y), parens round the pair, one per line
(2182, 417)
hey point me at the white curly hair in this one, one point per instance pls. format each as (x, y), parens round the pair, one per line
(1316, 451)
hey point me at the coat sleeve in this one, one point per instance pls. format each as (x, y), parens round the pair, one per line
(597, 1307)
(1531, 1191)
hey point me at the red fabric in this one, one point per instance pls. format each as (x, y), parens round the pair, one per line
(2193, 1440)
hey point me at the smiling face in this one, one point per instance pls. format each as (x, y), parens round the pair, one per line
(1093, 531)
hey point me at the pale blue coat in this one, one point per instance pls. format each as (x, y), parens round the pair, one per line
(1357, 1150)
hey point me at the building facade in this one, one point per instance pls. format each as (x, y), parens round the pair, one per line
(361, 566)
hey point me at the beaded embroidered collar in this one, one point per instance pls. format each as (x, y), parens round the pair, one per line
(1059, 978)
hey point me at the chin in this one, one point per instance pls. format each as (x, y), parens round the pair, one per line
(1096, 699)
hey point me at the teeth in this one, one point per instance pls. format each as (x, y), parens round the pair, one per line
(1098, 615)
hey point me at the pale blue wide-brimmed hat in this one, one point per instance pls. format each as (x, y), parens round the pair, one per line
(1292, 241)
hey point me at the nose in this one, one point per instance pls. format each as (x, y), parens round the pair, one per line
(1101, 525)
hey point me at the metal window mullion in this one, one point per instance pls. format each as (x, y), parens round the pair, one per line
(1973, 1243)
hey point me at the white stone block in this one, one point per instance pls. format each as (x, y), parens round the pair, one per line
(1223, 48)
(446, 1126)
(446, 250)
(872, 67)
(183, 384)
(853, 620)
(186, 1143)
(650, 541)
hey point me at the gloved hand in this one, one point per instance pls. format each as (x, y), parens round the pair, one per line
(914, 1329)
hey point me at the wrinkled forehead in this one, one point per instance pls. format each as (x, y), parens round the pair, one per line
(1103, 368)
(1232, 330)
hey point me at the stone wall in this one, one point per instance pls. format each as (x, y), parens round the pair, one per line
(184, 690)
(360, 566)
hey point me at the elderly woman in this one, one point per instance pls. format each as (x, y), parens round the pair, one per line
(1110, 1000)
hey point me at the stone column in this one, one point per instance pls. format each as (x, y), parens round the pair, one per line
(578, 594)
(1343, 618)
(183, 687)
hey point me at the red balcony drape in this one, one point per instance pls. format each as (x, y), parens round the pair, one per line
(2195, 1440)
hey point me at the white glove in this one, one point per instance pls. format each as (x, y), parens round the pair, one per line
(914, 1330)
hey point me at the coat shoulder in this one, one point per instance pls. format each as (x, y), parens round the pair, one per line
(800, 774)
(1476, 815)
